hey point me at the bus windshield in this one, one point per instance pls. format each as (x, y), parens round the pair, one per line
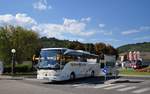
(48, 59)
(57, 58)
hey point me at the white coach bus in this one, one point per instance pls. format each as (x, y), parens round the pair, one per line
(57, 64)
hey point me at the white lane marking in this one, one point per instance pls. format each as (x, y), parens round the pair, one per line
(113, 87)
(141, 90)
(127, 88)
(82, 86)
(76, 85)
(85, 86)
(104, 85)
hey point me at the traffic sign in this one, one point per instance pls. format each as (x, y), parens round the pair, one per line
(105, 70)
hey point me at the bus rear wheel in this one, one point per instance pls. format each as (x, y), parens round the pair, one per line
(72, 76)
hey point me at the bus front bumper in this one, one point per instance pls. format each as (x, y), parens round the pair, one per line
(49, 78)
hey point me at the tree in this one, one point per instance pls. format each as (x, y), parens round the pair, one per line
(100, 48)
(76, 46)
(111, 50)
(24, 41)
(90, 47)
(5, 45)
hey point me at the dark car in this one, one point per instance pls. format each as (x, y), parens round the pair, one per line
(128, 64)
(135, 65)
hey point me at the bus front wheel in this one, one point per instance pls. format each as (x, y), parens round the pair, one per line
(72, 76)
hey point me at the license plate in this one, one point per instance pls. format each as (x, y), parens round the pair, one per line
(45, 78)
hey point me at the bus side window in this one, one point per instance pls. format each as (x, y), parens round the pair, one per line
(102, 65)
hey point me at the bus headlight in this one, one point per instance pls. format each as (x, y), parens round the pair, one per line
(38, 73)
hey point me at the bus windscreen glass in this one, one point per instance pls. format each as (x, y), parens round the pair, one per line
(48, 59)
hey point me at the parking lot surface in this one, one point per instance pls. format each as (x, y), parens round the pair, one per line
(80, 86)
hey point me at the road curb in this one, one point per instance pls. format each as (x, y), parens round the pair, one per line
(145, 76)
(111, 81)
(3, 77)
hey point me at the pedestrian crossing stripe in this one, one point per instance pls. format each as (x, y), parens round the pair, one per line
(127, 88)
(102, 86)
(141, 90)
(82, 86)
(113, 87)
(76, 85)
(92, 86)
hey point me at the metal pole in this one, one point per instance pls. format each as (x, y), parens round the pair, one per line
(13, 61)
(60, 59)
(12, 67)
(106, 71)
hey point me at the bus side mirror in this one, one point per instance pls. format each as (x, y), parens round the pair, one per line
(59, 57)
(34, 58)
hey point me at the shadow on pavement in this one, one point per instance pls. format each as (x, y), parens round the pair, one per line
(126, 81)
(89, 80)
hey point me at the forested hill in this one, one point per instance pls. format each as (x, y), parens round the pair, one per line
(142, 47)
(53, 42)
(97, 48)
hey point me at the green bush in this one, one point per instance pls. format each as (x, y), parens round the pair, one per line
(19, 68)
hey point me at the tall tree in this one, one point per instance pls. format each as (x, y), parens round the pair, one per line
(5, 44)
(111, 50)
(90, 47)
(24, 41)
(100, 48)
(76, 45)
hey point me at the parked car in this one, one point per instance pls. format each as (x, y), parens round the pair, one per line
(139, 64)
(128, 64)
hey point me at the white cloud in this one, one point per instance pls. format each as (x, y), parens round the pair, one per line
(18, 19)
(49, 30)
(133, 31)
(41, 5)
(76, 27)
(142, 38)
(105, 32)
(145, 28)
(112, 40)
(69, 27)
(101, 25)
(130, 32)
(73, 26)
(86, 19)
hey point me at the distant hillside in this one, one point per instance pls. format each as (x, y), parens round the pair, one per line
(53, 42)
(142, 47)
(97, 48)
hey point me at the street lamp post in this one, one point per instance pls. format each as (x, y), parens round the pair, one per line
(13, 60)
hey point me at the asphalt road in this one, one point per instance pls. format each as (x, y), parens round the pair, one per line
(80, 86)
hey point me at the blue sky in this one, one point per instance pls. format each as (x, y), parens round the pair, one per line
(116, 22)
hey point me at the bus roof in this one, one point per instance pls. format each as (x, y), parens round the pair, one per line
(78, 52)
(71, 52)
(54, 49)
